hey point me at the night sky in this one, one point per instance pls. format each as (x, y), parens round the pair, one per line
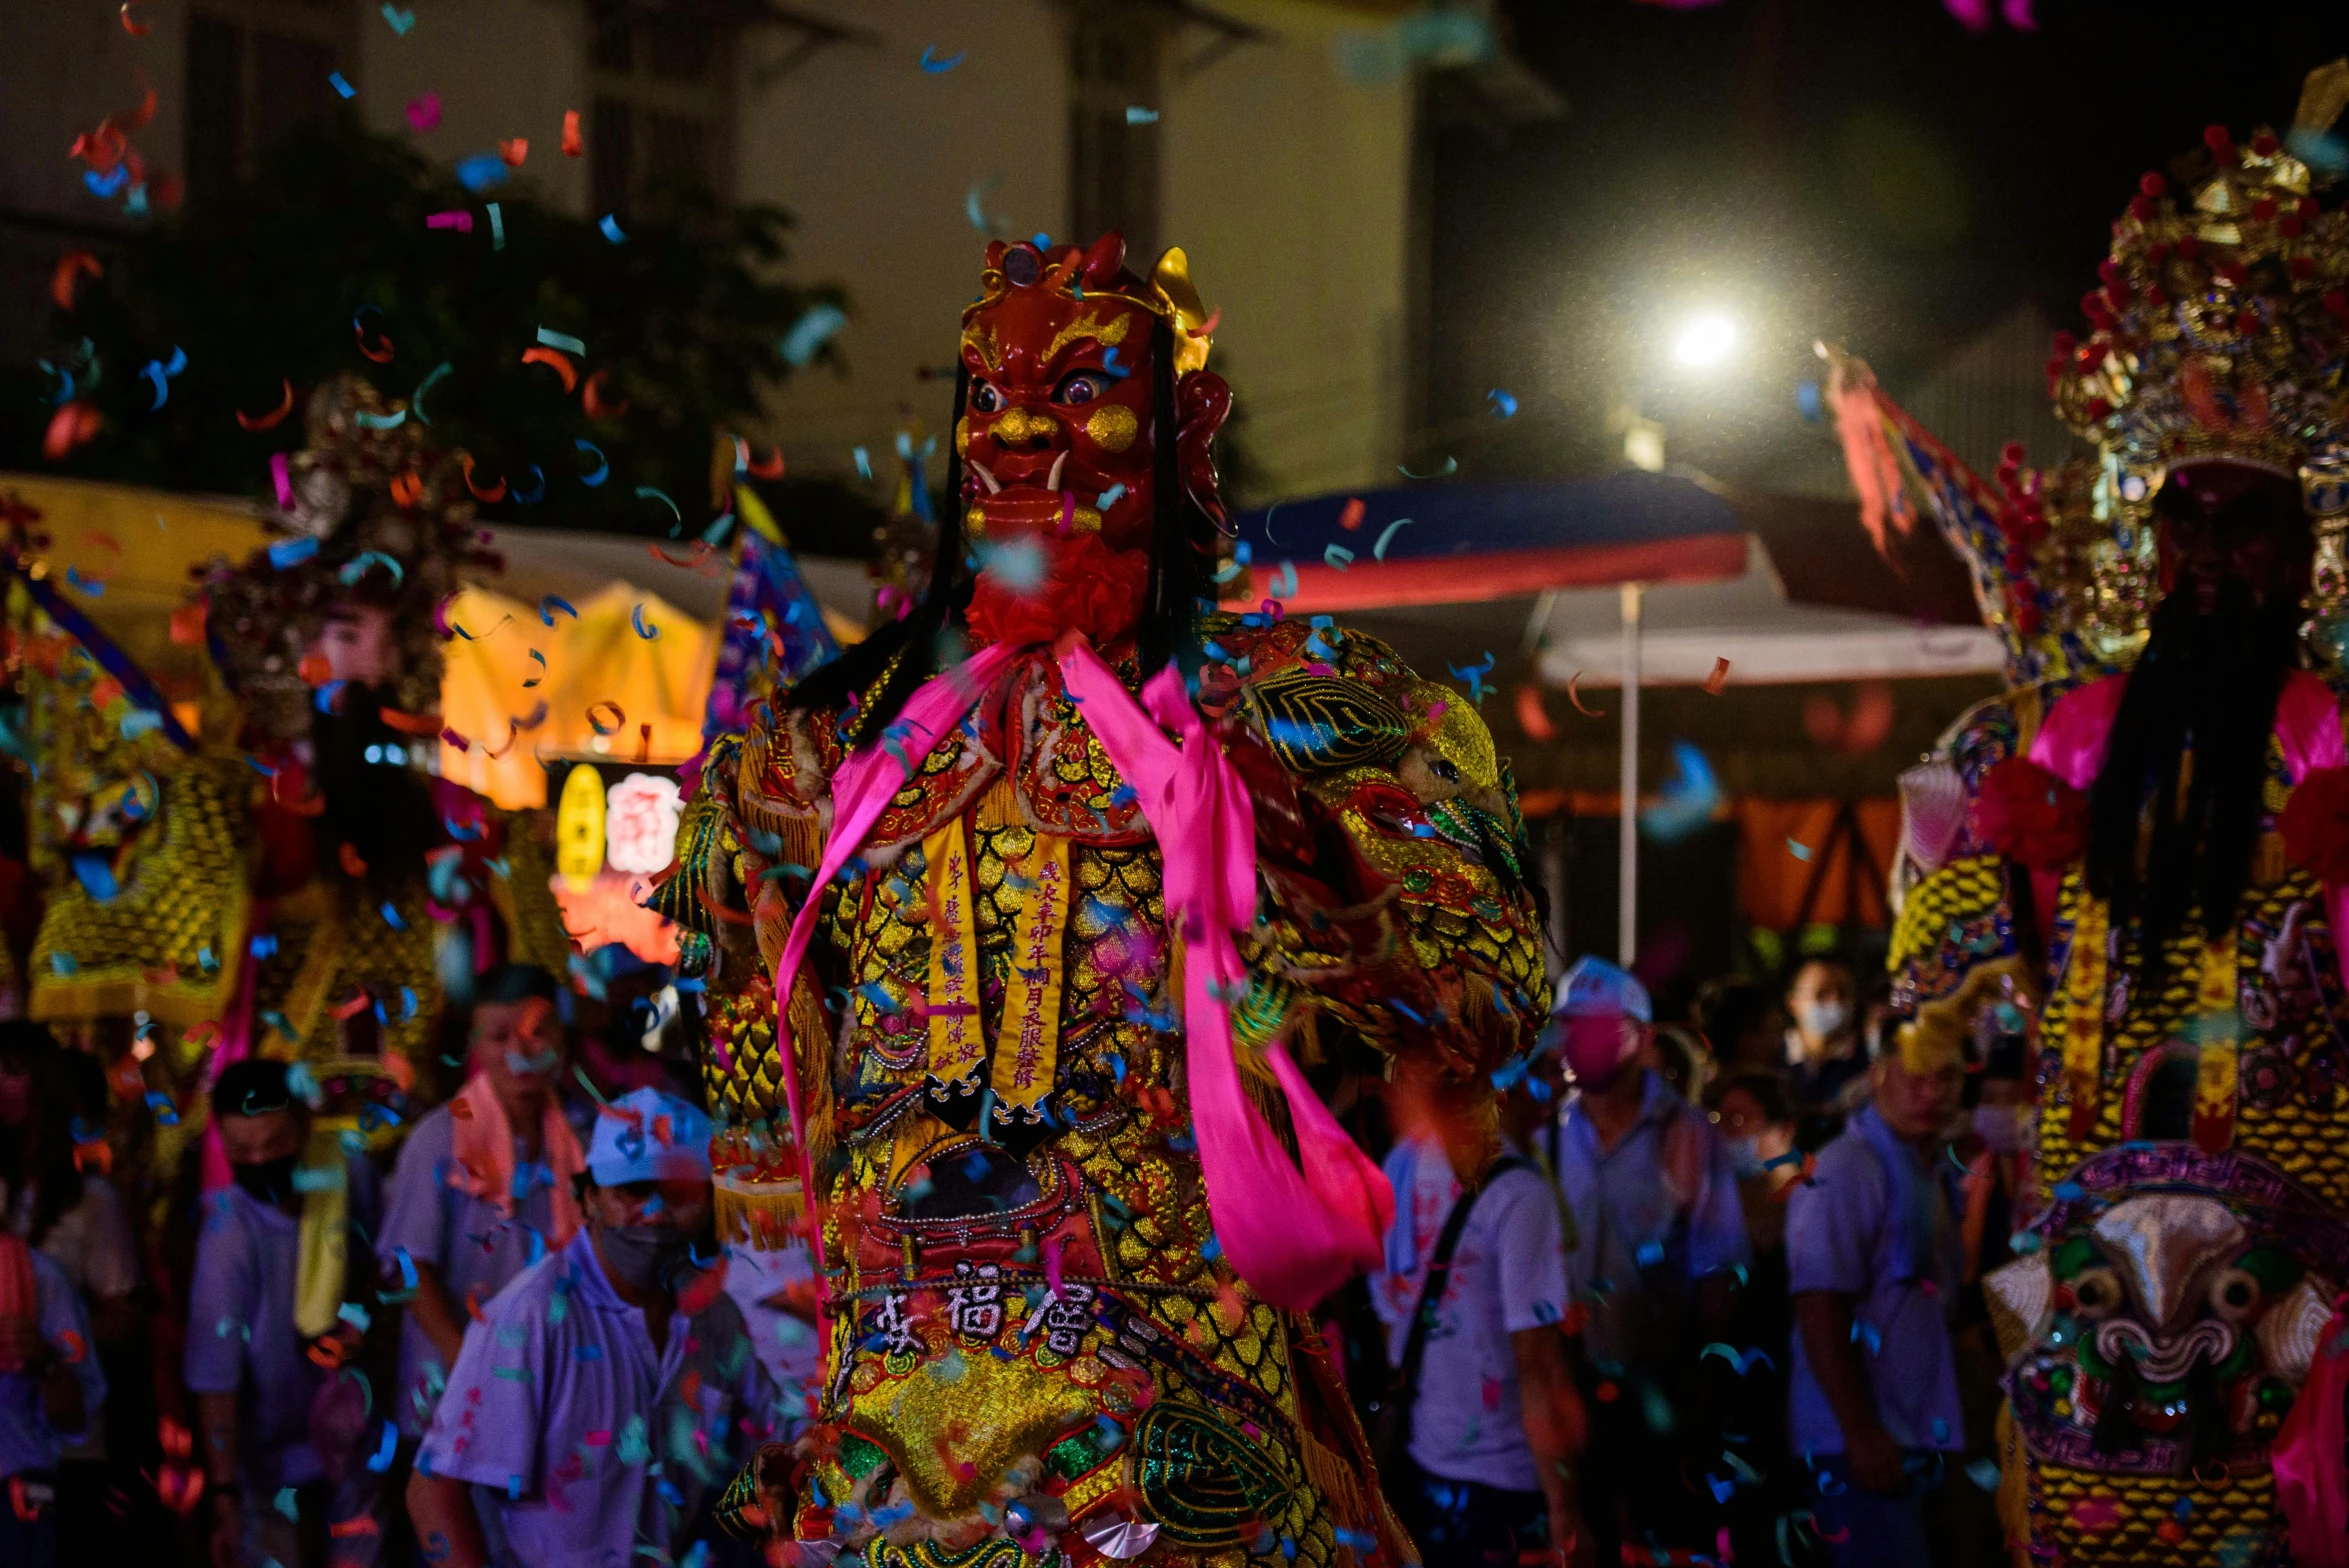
(1864, 170)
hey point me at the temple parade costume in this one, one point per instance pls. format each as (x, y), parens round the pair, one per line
(2135, 857)
(1020, 942)
(285, 882)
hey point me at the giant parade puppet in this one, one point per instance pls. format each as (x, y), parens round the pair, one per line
(1027, 925)
(2137, 858)
(286, 876)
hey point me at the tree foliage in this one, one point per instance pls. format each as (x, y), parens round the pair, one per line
(685, 316)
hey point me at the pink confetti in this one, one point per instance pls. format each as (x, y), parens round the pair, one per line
(283, 480)
(462, 222)
(424, 112)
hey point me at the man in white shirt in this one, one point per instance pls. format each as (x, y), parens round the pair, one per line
(1495, 1422)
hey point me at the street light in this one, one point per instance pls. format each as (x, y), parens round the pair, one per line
(1705, 341)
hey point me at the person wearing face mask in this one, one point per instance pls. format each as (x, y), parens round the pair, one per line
(482, 1190)
(1824, 1061)
(601, 1396)
(266, 1342)
(1658, 1232)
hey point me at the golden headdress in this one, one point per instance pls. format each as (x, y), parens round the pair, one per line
(1098, 272)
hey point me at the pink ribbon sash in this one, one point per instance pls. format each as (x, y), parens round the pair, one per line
(2071, 745)
(1293, 1234)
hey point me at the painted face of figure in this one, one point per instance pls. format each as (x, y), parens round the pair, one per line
(1058, 432)
(358, 645)
(2232, 522)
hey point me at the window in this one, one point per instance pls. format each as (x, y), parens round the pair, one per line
(664, 101)
(258, 69)
(1113, 176)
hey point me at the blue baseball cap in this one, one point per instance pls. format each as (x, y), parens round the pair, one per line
(646, 1135)
(1594, 988)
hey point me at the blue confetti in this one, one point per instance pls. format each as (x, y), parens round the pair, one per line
(481, 171)
(937, 66)
(611, 228)
(344, 89)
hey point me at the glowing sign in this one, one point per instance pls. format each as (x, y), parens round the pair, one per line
(640, 823)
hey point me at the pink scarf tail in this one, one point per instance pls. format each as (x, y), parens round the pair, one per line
(2072, 741)
(860, 792)
(2306, 1457)
(1294, 1234)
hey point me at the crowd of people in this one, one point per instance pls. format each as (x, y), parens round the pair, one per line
(1716, 1301)
(1713, 1297)
(507, 1346)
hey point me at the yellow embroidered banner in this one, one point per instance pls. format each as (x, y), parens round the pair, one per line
(957, 1043)
(1027, 1048)
(2221, 1028)
(2084, 984)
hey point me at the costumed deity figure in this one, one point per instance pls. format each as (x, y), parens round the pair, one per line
(288, 884)
(1025, 991)
(2136, 859)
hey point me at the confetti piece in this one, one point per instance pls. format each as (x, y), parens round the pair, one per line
(481, 172)
(619, 717)
(1532, 717)
(344, 89)
(134, 28)
(1337, 556)
(70, 268)
(1574, 696)
(381, 356)
(424, 113)
(1137, 115)
(1451, 466)
(573, 143)
(1798, 851)
(936, 66)
(497, 226)
(514, 151)
(549, 605)
(810, 333)
(1718, 679)
(603, 467)
(1378, 552)
(562, 340)
(561, 366)
(400, 21)
(636, 619)
(654, 493)
(292, 552)
(611, 228)
(1503, 405)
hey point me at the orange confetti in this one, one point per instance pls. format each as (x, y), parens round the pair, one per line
(135, 28)
(73, 425)
(514, 151)
(1531, 716)
(1575, 697)
(591, 398)
(410, 723)
(768, 467)
(407, 489)
(316, 669)
(352, 865)
(556, 361)
(1718, 679)
(187, 624)
(1350, 515)
(573, 144)
(269, 421)
(70, 268)
(496, 492)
